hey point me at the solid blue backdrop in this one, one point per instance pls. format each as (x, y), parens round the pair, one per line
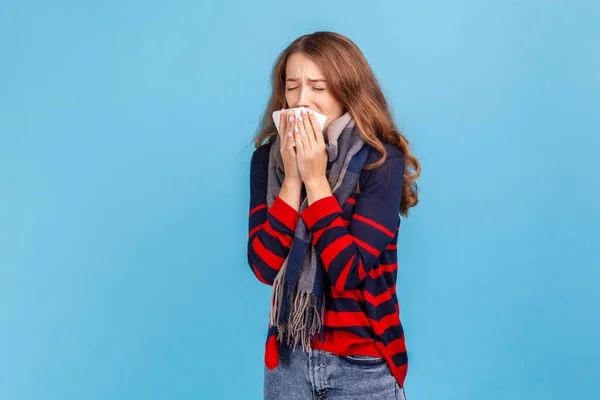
(124, 193)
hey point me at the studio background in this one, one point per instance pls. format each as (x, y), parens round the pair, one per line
(124, 193)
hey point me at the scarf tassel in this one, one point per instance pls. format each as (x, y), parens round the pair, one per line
(305, 323)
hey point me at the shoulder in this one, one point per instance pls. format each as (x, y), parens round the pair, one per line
(394, 157)
(391, 171)
(261, 153)
(260, 158)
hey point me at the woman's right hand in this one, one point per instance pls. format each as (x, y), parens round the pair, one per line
(287, 124)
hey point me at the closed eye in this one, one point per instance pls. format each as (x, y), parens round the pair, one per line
(319, 89)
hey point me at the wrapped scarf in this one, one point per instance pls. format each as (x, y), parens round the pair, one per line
(298, 297)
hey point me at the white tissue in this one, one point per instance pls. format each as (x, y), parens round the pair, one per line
(320, 117)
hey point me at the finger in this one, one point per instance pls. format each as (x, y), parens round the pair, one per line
(290, 127)
(307, 141)
(309, 129)
(300, 143)
(320, 137)
(288, 134)
(290, 145)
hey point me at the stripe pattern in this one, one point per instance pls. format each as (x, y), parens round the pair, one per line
(357, 246)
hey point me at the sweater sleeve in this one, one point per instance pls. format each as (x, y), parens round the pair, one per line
(270, 230)
(350, 252)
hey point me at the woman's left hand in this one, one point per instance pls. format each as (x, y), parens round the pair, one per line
(311, 150)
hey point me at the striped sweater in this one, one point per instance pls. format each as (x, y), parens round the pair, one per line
(356, 243)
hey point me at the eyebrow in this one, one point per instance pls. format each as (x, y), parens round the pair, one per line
(310, 80)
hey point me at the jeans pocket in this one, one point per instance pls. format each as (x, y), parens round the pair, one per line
(364, 360)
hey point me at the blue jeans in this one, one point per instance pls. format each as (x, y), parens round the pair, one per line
(321, 375)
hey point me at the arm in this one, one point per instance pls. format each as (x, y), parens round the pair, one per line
(270, 230)
(349, 253)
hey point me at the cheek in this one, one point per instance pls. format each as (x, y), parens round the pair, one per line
(332, 105)
(332, 109)
(291, 98)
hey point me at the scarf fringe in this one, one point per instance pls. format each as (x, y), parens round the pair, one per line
(306, 315)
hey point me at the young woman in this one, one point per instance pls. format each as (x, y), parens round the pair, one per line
(324, 218)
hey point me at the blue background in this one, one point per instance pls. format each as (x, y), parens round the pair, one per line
(124, 131)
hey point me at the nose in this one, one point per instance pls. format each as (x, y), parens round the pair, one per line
(303, 98)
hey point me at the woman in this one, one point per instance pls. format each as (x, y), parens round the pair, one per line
(323, 226)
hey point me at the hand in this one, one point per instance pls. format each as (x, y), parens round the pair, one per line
(311, 151)
(288, 152)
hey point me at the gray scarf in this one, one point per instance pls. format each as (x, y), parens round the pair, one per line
(296, 314)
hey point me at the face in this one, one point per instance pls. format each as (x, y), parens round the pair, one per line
(305, 86)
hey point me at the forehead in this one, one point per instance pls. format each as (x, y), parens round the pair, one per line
(299, 65)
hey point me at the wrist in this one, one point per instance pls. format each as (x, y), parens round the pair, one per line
(292, 184)
(317, 183)
(317, 189)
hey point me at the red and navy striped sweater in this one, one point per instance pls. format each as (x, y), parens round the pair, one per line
(356, 243)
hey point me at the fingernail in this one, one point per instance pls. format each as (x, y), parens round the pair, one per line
(310, 112)
(297, 130)
(289, 134)
(291, 118)
(299, 118)
(303, 112)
